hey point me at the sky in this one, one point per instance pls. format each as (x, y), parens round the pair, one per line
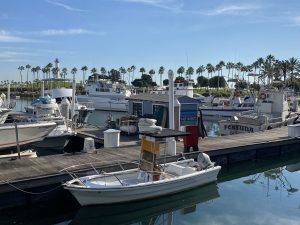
(144, 33)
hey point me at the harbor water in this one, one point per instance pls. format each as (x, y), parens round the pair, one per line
(260, 192)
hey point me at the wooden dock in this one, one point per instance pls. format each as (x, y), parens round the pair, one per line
(42, 171)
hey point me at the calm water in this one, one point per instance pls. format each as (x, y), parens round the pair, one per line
(261, 193)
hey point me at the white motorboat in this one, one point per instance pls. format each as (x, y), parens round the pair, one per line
(149, 180)
(227, 107)
(5, 108)
(28, 133)
(181, 88)
(271, 111)
(45, 108)
(145, 212)
(104, 94)
(82, 109)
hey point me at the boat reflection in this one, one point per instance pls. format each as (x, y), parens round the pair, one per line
(293, 167)
(155, 211)
(275, 179)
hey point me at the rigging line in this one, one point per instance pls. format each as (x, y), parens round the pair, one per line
(28, 192)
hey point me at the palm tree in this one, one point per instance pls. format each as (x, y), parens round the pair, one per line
(200, 70)
(122, 70)
(84, 69)
(49, 66)
(293, 65)
(129, 70)
(93, 70)
(190, 72)
(38, 69)
(209, 68)
(152, 72)
(132, 69)
(161, 72)
(64, 72)
(103, 70)
(74, 71)
(238, 66)
(284, 66)
(142, 70)
(33, 70)
(28, 68)
(180, 71)
(21, 68)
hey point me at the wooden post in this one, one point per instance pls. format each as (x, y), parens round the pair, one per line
(17, 141)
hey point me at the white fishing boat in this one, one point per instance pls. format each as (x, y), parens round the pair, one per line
(28, 133)
(45, 108)
(271, 110)
(104, 94)
(149, 180)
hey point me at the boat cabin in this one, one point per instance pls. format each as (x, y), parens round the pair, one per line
(156, 106)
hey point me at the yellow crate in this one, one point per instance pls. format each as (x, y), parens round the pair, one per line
(150, 146)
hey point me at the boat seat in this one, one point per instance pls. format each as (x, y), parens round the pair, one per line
(179, 170)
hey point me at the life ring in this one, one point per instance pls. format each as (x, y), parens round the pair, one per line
(263, 96)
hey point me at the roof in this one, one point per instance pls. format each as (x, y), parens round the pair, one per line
(187, 100)
(150, 97)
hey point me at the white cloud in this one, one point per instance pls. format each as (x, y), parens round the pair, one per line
(62, 32)
(173, 5)
(296, 20)
(232, 10)
(7, 37)
(65, 6)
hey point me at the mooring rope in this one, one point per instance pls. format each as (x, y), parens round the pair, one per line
(29, 192)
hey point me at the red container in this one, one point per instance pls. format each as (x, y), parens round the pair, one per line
(191, 140)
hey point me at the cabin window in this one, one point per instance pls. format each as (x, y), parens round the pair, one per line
(137, 109)
(156, 108)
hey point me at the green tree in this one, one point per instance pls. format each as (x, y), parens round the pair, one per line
(142, 70)
(214, 81)
(152, 72)
(21, 68)
(180, 71)
(189, 72)
(83, 69)
(166, 82)
(114, 75)
(161, 72)
(28, 68)
(202, 81)
(93, 70)
(103, 71)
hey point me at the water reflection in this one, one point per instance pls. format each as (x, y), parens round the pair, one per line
(156, 211)
(273, 179)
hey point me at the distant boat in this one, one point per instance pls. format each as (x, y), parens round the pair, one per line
(227, 107)
(271, 110)
(104, 94)
(28, 133)
(45, 108)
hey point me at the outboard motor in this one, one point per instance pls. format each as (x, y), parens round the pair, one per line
(204, 161)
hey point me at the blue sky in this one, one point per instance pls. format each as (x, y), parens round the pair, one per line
(148, 33)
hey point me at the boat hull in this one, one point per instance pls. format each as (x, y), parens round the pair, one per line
(102, 103)
(28, 133)
(54, 142)
(90, 196)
